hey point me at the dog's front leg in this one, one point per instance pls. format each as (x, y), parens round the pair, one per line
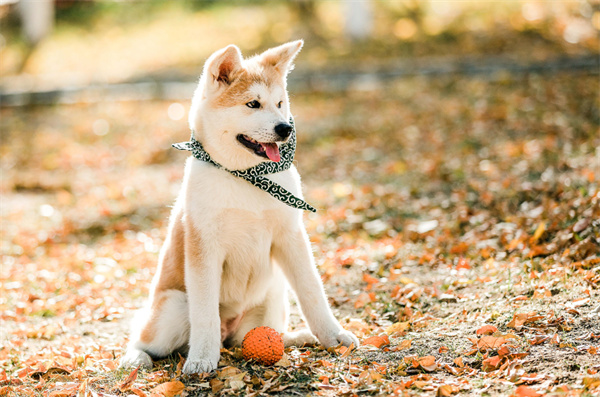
(294, 255)
(203, 269)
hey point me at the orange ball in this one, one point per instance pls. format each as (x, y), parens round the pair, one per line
(263, 345)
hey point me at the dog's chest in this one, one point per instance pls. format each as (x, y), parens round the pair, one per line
(242, 222)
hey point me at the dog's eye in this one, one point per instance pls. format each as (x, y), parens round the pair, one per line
(253, 104)
(279, 104)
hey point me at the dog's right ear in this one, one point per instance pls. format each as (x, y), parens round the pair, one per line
(222, 65)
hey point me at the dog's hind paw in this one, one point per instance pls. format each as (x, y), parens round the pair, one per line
(136, 358)
(199, 366)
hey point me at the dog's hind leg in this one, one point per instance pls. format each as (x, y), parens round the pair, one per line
(165, 328)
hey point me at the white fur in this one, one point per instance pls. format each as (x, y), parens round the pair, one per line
(250, 242)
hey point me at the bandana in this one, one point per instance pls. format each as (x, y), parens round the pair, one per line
(256, 175)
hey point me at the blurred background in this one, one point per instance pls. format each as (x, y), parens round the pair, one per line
(456, 127)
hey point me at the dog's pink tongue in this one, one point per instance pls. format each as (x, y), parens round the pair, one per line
(272, 151)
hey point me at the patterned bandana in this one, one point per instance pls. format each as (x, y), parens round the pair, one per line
(255, 175)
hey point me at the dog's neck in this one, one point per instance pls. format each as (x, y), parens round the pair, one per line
(256, 175)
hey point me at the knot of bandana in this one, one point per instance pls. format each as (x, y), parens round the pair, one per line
(255, 175)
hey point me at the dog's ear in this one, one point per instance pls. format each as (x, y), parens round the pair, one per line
(281, 57)
(222, 65)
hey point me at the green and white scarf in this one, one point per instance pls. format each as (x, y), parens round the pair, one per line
(255, 175)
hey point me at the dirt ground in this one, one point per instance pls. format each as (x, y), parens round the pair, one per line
(458, 236)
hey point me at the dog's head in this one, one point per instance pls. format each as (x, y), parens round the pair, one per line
(240, 111)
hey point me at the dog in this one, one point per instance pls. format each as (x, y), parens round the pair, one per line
(232, 247)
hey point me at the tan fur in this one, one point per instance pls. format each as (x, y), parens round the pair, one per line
(237, 93)
(149, 330)
(171, 273)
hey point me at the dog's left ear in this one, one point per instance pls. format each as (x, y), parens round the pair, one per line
(281, 57)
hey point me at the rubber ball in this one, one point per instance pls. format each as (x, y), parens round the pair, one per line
(263, 345)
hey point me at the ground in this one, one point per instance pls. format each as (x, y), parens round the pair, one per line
(457, 234)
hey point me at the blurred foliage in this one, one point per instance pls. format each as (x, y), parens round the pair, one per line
(129, 39)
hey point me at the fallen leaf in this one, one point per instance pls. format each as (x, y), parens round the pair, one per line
(345, 351)
(538, 232)
(170, 389)
(520, 319)
(405, 344)
(398, 328)
(65, 390)
(377, 341)
(490, 342)
(428, 363)
(526, 391)
(128, 382)
(491, 363)
(459, 362)
(591, 383)
(487, 330)
(138, 392)
(447, 390)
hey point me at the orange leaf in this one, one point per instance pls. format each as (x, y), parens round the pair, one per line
(362, 300)
(490, 363)
(377, 341)
(503, 351)
(519, 319)
(526, 391)
(128, 382)
(367, 278)
(447, 390)
(169, 389)
(487, 330)
(138, 392)
(428, 363)
(66, 390)
(538, 232)
(398, 328)
(346, 350)
(405, 344)
(490, 342)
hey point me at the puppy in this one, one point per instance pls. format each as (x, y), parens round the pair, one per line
(233, 245)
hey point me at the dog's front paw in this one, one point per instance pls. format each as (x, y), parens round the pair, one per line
(136, 358)
(201, 365)
(342, 336)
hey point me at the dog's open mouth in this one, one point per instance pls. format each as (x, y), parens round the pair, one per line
(268, 150)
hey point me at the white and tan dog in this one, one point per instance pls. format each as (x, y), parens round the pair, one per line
(231, 246)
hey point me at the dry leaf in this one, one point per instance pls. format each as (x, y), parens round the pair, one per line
(428, 363)
(526, 391)
(447, 390)
(398, 328)
(538, 232)
(377, 341)
(520, 319)
(491, 363)
(169, 389)
(490, 342)
(405, 344)
(487, 330)
(591, 383)
(128, 382)
(138, 392)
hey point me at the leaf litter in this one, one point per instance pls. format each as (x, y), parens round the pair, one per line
(458, 238)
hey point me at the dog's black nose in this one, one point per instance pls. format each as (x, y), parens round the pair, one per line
(283, 130)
